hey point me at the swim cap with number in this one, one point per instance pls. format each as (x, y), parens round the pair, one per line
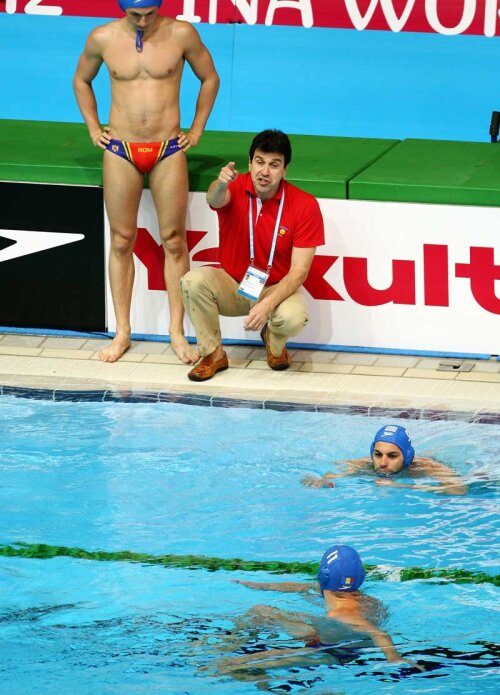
(341, 569)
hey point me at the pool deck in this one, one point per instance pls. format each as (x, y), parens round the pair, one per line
(317, 378)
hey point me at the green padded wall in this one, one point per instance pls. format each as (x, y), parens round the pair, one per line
(44, 152)
(320, 165)
(433, 171)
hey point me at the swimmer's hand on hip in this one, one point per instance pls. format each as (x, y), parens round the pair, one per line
(102, 138)
(187, 140)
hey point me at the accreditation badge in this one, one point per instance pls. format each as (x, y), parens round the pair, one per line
(253, 283)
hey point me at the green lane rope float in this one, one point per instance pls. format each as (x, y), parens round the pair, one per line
(46, 552)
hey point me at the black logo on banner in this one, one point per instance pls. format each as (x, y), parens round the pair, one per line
(52, 257)
(27, 242)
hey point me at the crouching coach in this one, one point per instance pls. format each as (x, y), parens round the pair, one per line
(268, 234)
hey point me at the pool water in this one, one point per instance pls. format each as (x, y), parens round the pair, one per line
(225, 482)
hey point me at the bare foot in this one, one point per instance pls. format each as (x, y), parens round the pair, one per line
(118, 346)
(184, 351)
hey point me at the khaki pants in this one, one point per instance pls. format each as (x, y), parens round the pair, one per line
(209, 292)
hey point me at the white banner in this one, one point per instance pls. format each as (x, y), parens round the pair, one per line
(401, 276)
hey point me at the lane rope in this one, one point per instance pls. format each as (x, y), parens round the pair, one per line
(42, 551)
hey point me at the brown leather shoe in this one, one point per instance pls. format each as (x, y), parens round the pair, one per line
(206, 368)
(277, 363)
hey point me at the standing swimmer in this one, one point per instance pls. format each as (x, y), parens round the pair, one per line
(145, 54)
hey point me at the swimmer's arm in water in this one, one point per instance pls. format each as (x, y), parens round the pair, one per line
(352, 467)
(449, 482)
(285, 587)
(382, 639)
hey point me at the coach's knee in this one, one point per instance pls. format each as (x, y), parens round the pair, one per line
(193, 282)
(289, 320)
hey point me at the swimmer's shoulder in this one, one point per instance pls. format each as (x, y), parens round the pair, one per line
(341, 603)
(183, 32)
(424, 459)
(426, 463)
(362, 463)
(373, 608)
(422, 465)
(100, 37)
(350, 466)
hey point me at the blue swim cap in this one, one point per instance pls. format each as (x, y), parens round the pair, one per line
(132, 4)
(341, 569)
(398, 436)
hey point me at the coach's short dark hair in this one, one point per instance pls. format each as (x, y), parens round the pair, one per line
(272, 141)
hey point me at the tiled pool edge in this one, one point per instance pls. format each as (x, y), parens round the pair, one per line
(131, 396)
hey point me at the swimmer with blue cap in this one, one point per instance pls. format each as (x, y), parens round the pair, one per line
(145, 54)
(391, 450)
(340, 569)
(352, 620)
(392, 453)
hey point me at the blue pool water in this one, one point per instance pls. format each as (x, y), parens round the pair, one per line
(167, 478)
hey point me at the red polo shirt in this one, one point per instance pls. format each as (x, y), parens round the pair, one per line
(301, 227)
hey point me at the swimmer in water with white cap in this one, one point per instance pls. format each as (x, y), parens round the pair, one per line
(392, 453)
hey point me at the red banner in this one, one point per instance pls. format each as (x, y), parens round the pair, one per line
(448, 17)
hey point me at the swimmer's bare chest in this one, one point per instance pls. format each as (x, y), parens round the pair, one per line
(144, 88)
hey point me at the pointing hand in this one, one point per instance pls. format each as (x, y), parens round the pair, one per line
(227, 174)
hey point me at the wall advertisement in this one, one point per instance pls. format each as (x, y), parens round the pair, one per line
(400, 276)
(447, 17)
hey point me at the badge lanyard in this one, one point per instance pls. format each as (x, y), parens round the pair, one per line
(253, 283)
(275, 235)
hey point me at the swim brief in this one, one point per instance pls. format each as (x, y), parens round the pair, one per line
(343, 653)
(144, 155)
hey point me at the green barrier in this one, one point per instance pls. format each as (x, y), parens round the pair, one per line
(212, 564)
(432, 171)
(63, 153)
